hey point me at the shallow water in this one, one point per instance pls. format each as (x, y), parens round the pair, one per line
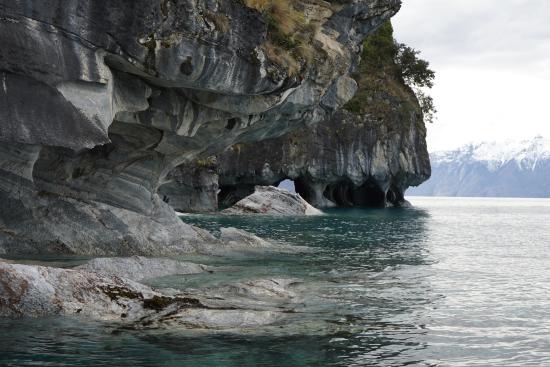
(451, 282)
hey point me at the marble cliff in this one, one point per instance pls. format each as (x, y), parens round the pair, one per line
(100, 100)
(367, 154)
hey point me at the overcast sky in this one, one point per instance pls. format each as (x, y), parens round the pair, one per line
(492, 59)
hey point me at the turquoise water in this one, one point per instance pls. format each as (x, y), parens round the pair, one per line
(450, 282)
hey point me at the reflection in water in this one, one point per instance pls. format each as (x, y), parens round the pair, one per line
(367, 298)
(451, 282)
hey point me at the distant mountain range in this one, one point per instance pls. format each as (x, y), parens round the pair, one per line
(490, 169)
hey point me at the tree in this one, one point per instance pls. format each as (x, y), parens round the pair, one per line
(416, 73)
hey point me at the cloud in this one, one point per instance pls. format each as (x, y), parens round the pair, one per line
(486, 33)
(492, 59)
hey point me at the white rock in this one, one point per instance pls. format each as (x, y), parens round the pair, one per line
(273, 201)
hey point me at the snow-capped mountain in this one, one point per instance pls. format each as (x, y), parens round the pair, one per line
(500, 169)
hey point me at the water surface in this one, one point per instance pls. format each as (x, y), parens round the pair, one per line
(450, 282)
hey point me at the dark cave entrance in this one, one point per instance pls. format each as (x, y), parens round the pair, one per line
(304, 190)
(228, 195)
(347, 195)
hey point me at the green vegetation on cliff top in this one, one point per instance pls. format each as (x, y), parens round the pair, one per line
(391, 70)
(289, 33)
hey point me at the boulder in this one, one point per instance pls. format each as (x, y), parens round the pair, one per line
(272, 201)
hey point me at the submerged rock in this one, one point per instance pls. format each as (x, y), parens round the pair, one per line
(36, 291)
(234, 237)
(27, 290)
(273, 201)
(139, 268)
(235, 241)
(239, 240)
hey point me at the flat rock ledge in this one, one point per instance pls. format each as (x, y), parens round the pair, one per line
(272, 201)
(139, 268)
(27, 290)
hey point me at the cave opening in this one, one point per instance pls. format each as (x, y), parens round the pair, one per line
(228, 195)
(231, 123)
(302, 188)
(346, 194)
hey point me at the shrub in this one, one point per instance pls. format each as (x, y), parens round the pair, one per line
(388, 67)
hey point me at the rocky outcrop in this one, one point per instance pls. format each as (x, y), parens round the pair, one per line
(270, 200)
(350, 160)
(99, 101)
(192, 187)
(44, 291)
(365, 155)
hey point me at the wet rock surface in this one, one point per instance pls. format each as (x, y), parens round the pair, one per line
(139, 268)
(37, 291)
(270, 200)
(99, 101)
(234, 239)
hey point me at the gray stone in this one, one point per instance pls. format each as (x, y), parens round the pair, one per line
(348, 160)
(192, 188)
(273, 201)
(139, 268)
(38, 291)
(99, 101)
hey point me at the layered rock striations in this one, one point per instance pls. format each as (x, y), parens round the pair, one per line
(350, 160)
(271, 200)
(100, 100)
(366, 155)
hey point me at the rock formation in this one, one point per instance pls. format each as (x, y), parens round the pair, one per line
(350, 160)
(36, 291)
(270, 200)
(99, 101)
(367, 154)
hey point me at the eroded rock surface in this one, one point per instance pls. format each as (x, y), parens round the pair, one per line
(350, 160)
(99, 101)
(272, 201)
(36, 291)
(365, 155)
(139, 268)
